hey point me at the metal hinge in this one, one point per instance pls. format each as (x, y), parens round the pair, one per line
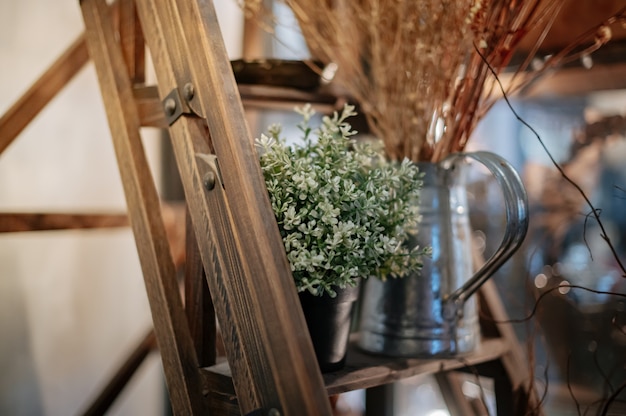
(176, 104)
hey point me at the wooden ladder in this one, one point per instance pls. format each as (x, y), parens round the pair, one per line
(237, 272)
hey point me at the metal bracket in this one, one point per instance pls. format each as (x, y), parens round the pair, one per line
(176, 104)
(189, 94)
(214, 175)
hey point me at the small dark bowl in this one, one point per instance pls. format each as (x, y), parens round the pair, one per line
(278, 72)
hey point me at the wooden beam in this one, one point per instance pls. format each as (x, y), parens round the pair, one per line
(132, 41)
(578, 81)
(171, 329)
(42, 91)
(103, 401)
(11, 222)
(173, 217)
(149, 107)
(450, 386)
(198, 303)
(364, 370)
(252, 96)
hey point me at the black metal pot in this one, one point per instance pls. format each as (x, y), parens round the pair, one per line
(329, 321)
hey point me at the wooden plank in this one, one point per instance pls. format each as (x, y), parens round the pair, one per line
(576, 18)
(578, 81)
(132, 41)
(282, 98)
(223, 405)
(249, 278)
(254, 39)
(42, 91)
(122, 376)
(365, 370)
(192, 134)
(11, 222)
(509, 401)
(171, 329)
(514, 382)
(518, 390)
(198, 303)
(149, 107)
(451, 390)
(260, 97)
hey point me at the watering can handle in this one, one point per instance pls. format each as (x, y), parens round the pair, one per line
(516, 204)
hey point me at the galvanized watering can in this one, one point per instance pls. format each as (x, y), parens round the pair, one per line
(433, 313)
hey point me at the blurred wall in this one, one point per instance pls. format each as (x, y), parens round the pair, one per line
(72, 303)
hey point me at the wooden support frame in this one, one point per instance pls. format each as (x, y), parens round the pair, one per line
(109, 393)
(247, 271)
(171, 329)
(42, 91)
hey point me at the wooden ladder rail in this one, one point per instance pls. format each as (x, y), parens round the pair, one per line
(272, 359)
(143, 205)
(22, 112)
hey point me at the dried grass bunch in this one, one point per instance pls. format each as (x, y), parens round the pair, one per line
(423, 70)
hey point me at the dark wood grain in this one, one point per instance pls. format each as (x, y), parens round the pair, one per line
(247, 270)
(198, 303)
(171, 329)
(42, 91)
(223, 405)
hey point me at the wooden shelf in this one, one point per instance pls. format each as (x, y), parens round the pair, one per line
(282, 98)
(265, 97)
(365, 370)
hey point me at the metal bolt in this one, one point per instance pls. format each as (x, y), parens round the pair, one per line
(273, 412)
(209, 181)
(169, 106)
(189, 91)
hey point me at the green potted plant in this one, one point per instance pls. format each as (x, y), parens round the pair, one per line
(344, 213)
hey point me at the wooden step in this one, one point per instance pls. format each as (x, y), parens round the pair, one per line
(365, 370)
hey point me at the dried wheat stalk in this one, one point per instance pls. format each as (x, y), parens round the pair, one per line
(420, 68)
